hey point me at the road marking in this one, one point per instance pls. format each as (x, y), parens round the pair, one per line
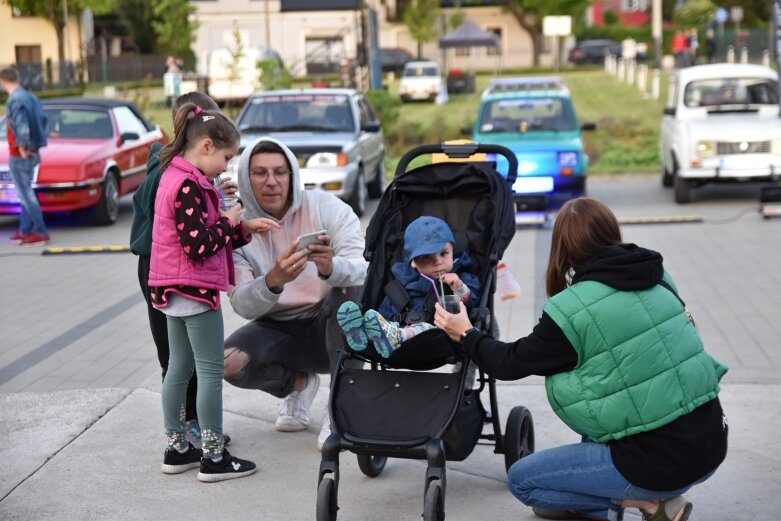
(665, 219)
(73, 250)
(60, 342)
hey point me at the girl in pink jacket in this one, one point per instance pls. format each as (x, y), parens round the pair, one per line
(191, 262)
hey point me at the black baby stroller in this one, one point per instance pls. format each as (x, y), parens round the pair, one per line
(398, 407)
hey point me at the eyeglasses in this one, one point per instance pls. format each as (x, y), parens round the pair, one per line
(261, 174)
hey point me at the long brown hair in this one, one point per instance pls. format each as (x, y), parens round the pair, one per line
(583, 228)
(193, 123)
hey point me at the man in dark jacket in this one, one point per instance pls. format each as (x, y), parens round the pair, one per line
(26, 135)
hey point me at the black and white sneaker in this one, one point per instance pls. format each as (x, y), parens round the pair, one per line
(229, 467)
(175, 462)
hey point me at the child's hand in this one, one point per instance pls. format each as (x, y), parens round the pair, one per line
(452, 280)
(258, 225)
(234, 214)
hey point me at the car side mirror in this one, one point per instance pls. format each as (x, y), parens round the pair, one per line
(669, 111)
(588, 126)
(466, 131)
(128, 136)
(371, 126)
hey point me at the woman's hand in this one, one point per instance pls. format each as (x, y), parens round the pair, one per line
(322, 254)
(258, 225)
(454, 324)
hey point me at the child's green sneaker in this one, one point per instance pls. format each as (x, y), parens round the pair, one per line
(385, 335)
(351, 321)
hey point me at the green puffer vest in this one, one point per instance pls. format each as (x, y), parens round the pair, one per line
(641, 362)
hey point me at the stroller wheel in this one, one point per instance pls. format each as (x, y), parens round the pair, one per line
(434, 504)
(518, 436)
(371, 466)
(326, 500)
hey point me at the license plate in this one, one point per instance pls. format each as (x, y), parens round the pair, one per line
(8, 195)
(533, 185)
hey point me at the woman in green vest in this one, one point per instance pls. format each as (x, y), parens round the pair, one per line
(624, 367)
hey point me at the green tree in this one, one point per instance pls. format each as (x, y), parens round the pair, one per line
(138, 16)
(174, 28)
(233, 66)
(54, 12)
(530, 13)
(419, 17)
(694, 13)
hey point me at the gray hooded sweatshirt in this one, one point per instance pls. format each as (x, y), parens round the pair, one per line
(311, 210)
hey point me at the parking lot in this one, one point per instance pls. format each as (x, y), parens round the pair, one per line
(75, 338)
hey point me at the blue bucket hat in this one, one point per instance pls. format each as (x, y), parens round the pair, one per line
(426, 235)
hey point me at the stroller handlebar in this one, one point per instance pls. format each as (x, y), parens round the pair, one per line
(461, 151)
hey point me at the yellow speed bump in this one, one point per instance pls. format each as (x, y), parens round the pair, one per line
(76, 250)
(664, 219)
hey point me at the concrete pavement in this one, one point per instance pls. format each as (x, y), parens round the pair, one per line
(80, 409)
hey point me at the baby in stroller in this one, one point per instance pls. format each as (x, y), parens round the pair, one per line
(419, 280)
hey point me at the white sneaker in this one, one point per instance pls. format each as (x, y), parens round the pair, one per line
(294, 409)
(325, 431)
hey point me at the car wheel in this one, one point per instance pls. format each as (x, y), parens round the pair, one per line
(668, 177)
(377, 185)
(107, 209)
(682, 190)
(358, 198)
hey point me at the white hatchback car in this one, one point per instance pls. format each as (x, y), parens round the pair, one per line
(420, 80)
(721, 123)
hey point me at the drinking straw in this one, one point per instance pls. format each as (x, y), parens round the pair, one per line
(434, 285)
(442, 286)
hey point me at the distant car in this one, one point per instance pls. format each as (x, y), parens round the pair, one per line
(334, 134)
(393, 60)
(236, 82)
(594, 51)
(97, 153)
(534, 117)
(720, 124)
(420, 80)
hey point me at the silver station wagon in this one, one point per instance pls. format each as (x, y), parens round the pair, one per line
(334, 134)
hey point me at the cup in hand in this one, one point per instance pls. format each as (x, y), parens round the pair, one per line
(451, 303)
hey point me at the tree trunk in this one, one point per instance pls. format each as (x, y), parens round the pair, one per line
(420, 50)
(60, 29)
(533, 29)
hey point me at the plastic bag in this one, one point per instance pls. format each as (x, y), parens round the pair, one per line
(506, 286)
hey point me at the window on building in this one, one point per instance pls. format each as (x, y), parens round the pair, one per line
(463, 51)
(632, 6)
(494, 51)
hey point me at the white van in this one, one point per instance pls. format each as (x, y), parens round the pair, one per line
(421, 80)
(247, 78)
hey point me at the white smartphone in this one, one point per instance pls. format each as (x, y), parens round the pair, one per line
(309, 238)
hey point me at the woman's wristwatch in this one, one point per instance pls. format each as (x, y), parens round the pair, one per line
(466, 333)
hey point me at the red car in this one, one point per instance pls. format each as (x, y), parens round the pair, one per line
(97, 153)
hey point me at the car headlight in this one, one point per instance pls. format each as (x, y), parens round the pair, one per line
(705, 149)
(568, 159)
(327, 160)
(775, 147)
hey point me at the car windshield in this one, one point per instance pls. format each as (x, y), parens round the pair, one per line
(412, 72)
(314, 112)
(528, 114)
(78, 123)
(731, 91)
